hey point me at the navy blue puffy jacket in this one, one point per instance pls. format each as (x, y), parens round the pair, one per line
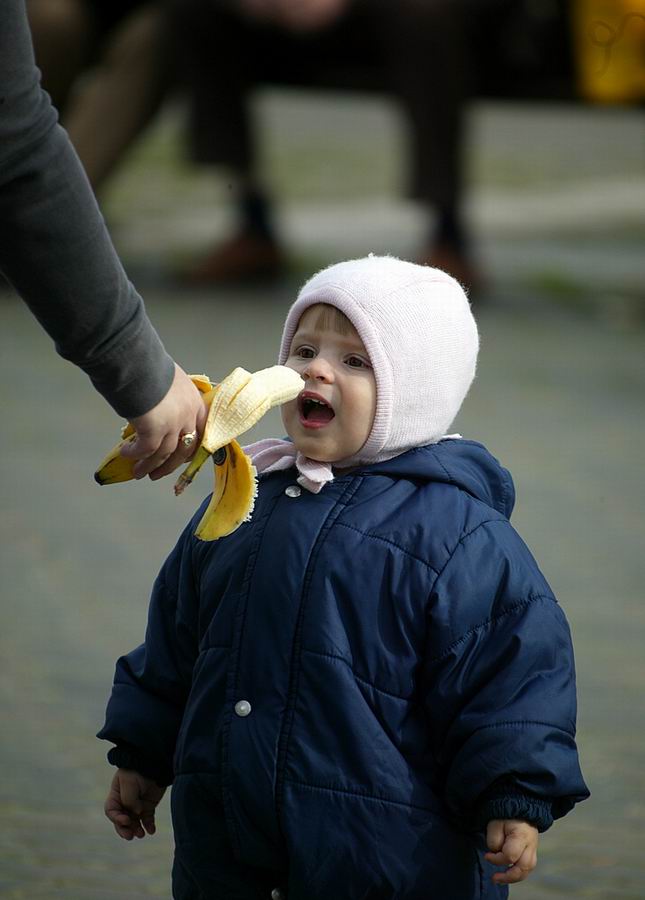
(409, 676)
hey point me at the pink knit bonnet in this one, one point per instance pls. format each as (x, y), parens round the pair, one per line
(419, 332)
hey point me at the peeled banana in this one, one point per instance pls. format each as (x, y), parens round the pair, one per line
(235, 405)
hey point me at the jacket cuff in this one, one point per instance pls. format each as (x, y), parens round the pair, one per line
(124, 756)
(507, 802)
(135, 378)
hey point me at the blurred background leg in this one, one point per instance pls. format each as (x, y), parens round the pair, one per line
(122, 93)
(63, 33)
(219, 56)
(424, 52)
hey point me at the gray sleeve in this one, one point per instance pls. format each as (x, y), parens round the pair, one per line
(54, 246)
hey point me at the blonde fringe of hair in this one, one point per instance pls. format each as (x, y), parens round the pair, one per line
(332, 319)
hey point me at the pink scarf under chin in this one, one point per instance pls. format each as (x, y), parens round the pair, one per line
(274, 454)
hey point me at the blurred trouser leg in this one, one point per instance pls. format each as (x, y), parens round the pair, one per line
(63, 33)
(419, 44)
(426, 55)
(215, 52)
(423, 48)
(122, 93)
(419, 50)
(415, 48)
(220, 56)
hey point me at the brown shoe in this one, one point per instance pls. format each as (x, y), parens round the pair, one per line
(246, 257)
(455, 263)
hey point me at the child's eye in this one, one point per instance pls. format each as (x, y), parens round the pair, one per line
(356, 362)
(305, 352)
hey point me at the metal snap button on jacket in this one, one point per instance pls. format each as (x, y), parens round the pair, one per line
(293, 490)
(242, 708)
(276, 894)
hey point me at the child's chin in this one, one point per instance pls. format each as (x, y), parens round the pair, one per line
(314, 450)
(315, 456)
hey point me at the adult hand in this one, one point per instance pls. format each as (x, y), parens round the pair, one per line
(513, 844)
(296, 15)
(157, 445)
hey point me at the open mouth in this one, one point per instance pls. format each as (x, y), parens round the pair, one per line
(314, 411)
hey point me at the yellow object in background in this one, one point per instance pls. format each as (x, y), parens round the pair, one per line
(610, 49)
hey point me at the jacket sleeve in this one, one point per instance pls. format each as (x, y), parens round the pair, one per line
(151, 684)
(54, 246)
(500, 685)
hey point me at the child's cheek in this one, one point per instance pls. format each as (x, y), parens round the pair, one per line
(289, 414)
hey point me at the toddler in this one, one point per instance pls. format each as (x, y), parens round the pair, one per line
(368, 690)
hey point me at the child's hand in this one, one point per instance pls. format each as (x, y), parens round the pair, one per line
(131, 802)
(513, 844)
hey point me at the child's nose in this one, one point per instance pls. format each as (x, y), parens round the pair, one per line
(319, 370)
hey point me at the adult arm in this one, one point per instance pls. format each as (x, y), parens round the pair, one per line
(56, 251)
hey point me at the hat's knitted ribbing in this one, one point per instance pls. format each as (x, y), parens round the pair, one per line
(416, 325)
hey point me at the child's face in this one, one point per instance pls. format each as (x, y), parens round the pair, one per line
(337, 371)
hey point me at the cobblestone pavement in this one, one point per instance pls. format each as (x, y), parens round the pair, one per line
(559, 399)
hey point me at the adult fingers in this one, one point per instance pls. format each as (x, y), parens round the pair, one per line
(179, 457)
(159, 431)
(146, 442)
(180, 453)
(166, 447)
(151, 446)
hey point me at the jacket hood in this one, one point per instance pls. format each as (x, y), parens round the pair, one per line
(466, 464)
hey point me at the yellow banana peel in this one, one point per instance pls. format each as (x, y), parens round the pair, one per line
(233, 496)
(235, 405)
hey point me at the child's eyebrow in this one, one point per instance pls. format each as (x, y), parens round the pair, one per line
(352, 341)
(304, 335)
(312, 334)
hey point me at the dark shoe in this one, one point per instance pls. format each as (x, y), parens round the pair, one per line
(246, 257)
(455, 263)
